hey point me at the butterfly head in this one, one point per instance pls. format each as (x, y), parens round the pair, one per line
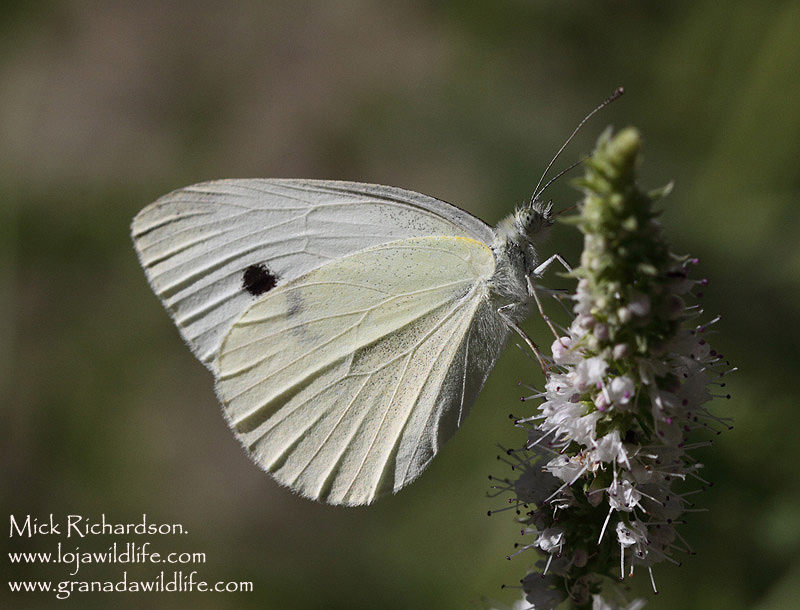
(532, 219)
(524, 228)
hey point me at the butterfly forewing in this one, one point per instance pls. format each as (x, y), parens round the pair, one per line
(345, 381)
(197, 243)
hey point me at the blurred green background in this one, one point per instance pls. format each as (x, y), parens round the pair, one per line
(106, 106)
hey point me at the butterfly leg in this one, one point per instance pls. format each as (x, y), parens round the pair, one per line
(543, 267)
(535, 294)
(514, 326)
(532, 290)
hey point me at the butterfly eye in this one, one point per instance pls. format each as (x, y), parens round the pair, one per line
(257, 280)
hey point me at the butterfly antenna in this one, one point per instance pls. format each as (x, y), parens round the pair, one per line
(558, 175)
(537, 191)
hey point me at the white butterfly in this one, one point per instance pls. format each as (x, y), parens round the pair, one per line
(349, 326)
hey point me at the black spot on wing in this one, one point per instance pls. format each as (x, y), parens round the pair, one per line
(257, 279)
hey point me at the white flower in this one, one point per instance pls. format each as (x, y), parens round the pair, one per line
(565, 468)
(589, 372)
(559, 386)
(632, 537)
(623, 495)
(569, 421)
(630, 380)
(551, 540)
(598, 603)
(610, 449)
(631, 534)
(621, 390)
(563, 353)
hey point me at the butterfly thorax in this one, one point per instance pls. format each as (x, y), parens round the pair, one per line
(516, 257)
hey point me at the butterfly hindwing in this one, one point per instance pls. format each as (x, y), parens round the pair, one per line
(345, 381)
